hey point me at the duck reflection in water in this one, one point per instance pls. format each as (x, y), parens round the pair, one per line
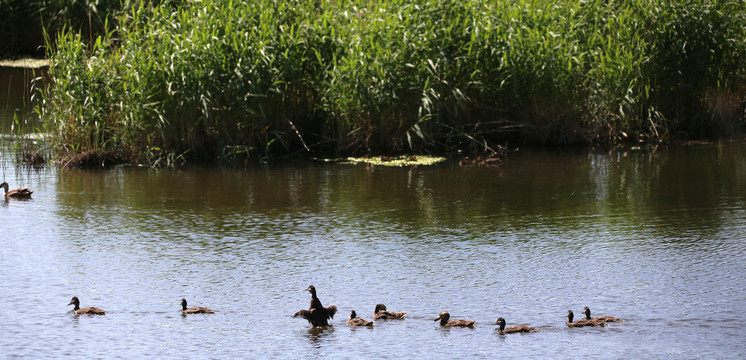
(317, 314)
(317, 335)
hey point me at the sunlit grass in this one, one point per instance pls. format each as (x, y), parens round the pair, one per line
(198, 80)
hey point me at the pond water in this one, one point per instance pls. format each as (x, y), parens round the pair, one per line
(654, 236)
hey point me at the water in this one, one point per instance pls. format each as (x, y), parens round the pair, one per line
(654, 236)
(20, 82)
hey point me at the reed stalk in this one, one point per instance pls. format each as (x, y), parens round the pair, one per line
(223, 80)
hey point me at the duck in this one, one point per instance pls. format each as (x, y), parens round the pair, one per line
(587, 312)
(582, 322)
(444, 316)
(87, 310)
(19, 193)
(316, 314)
(194, 309)
(356, 321)
(380, 313)
(513, 329)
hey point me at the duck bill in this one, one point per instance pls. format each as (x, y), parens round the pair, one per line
(438, 318)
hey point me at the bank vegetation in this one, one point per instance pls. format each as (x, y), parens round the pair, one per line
(243, 81)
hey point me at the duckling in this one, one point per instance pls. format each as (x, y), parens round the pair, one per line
(581, 323)
(19, 193)
(356, 321)
(88, 310)
(513, 329)
(194, 309)
(444, 316)
(316, 314)
(587, 312)
(380, 313)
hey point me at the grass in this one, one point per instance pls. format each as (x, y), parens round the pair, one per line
(231, 81)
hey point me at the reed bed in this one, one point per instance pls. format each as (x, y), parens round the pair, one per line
(234, 81)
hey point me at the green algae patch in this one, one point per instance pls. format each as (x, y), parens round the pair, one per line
(406, 160)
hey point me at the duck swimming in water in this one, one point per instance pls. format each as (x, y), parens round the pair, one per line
(587, 312)
(317, 314)
(87, 310)
(356, 321)
(444, 316)
(194, 309)
(582, 322)
(380, 313)
(19, 193)
(513, 329)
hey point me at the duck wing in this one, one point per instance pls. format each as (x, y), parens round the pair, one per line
(359, 322)
(389, 315)
(581, 323)
(330, 311)
(306, 314)
(198, 310)
(519, 329)
(20, 192)
(459, 322)
(91, 311)
(607, 319)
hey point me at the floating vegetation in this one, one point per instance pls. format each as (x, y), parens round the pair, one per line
(399, 161)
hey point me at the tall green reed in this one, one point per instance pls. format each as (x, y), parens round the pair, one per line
(223, 80)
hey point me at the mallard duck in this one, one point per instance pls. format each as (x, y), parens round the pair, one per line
(88, 310)
(587, 312)
(356, 321)
(513, 329)
(581, 323)
(380, 313)
(444, 316)
(316, 314)
(19, 193)
(194, 309)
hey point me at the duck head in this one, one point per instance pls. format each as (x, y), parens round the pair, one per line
(74, 300)
(501, 322)
(183, 304)
(570, 315)
(312, 290)
(587, 312)
(353, 314)
(5, 186)
(443, 317)
(379, 307)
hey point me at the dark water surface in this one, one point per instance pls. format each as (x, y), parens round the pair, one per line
(654, 237)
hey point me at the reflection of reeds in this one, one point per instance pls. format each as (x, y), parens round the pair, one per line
(238, 80)
(21, 136)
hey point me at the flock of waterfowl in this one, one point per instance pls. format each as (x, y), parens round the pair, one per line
(318, 316)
